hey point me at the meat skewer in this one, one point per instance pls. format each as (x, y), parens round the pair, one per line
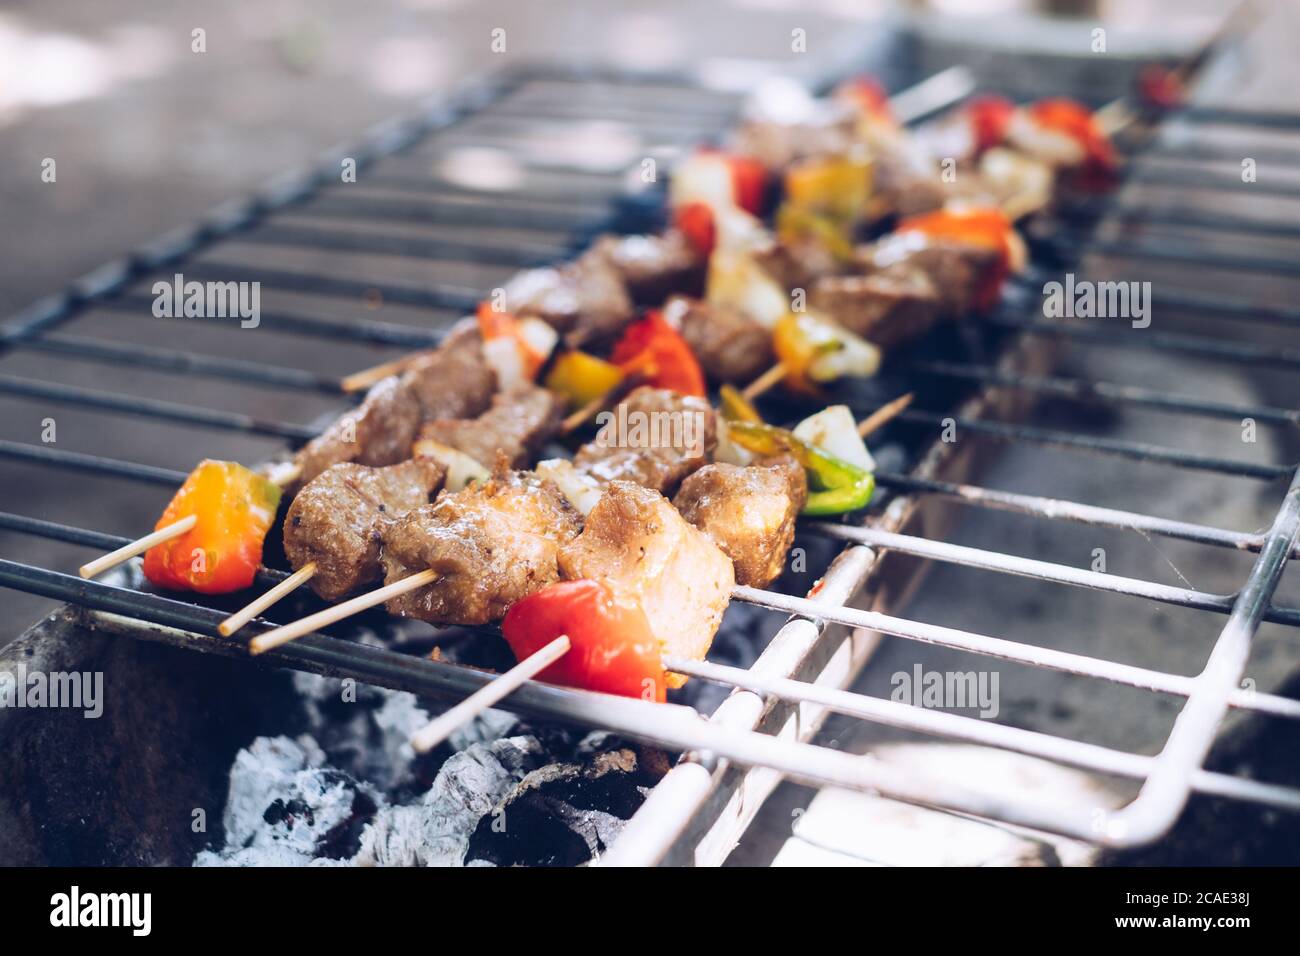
(397, 404)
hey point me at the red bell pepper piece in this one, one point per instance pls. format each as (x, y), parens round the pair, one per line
(989, 117)
(235, 507)
(869, 96)
(986, 228)
(695, 221)
(656, 351)
(748, 180)
(613, 649)
(1161, 87)
(1077, 121)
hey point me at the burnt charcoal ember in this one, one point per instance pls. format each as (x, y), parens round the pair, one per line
(285, 804)
(563, 814)
(437, 830)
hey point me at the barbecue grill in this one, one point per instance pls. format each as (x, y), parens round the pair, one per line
(296, 236)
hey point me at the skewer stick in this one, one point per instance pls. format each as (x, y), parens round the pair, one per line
(139, 546)
(259, 604)
(577, 419)
(377, 373)
(284, 473)
(283, 635)
(765, 382)
(884, 414)
(442, 726)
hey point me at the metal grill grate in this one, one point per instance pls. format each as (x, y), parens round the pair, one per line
(760, 733)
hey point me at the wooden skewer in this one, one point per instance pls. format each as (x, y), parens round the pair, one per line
(884, 414)
(765, 382)
(129, 551)
(284, 474)
(442, 726)
(259, 604)
(377, 373)
(283, 635)
(579, 418)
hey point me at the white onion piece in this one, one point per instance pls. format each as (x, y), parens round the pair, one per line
(461, 468)
(835, 432)
(583, 491)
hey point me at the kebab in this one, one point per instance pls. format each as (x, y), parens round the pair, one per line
(210, 536)
(477, 553)
(385, 420)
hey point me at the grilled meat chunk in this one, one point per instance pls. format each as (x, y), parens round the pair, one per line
(491, 544)
(518, 424)
(955, 269)
(748, 512)
(826, 129)
(337, 520)
(636, 542)
(896, 303)
(654, 437)
(730, 346)
(454, 380)
(378, 432)
(653, 267)
(796, 265)
(584, 300)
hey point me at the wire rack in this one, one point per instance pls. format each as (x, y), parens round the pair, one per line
(761, 733)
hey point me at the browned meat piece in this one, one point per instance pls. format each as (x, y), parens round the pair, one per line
(828, 130)
(635, 541)
(584, 300)
(730, 346)
(886, 307)
(954, 268)
(748, 512)
(378, 432)
(518, 424)
(454, 380)
(654, 437)
(796, 266)
(337, 519)
(491, 544)
(653, 267)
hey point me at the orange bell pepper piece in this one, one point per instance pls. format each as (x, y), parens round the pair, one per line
(235, 508)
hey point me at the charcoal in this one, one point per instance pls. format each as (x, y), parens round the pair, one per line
(285, 804)
(436, 831)
(563, 814)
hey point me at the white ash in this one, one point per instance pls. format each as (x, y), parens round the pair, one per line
(469, 787)
(284, 803)
(349, 790)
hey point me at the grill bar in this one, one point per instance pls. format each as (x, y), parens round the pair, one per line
(1085, 390)
(1137, 451)
(672, 725)
(152, 408)
(988, 560)
(1165, 792)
